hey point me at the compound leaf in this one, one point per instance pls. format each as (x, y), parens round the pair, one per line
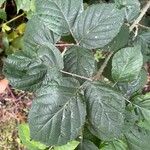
(58, 113)
(105, 108)
(98, 25)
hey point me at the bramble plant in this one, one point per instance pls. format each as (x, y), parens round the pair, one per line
(95, 101)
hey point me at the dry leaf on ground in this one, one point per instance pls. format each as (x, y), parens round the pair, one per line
(3, 85)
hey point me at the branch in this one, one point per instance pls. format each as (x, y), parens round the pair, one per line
(99, 73)
(143, 12)
(17, 17)
(60, 45)
(75, 75)
(144, 27)
(139, 25)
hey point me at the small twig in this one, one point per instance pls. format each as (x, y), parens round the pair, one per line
(60, 45)
(142, 26)
(15, 18)
(99, 73)
(75, 75)
(12, 115)
(20, 97)
(51, 148)
(12, 95)
(136, 31)
(143, 12)
(64, 51)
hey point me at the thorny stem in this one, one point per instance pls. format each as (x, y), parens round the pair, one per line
(75, 75)
(99, 73)
(143, 12)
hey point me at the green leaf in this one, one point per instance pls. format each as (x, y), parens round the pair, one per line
(24, 135)
(115, 145)
(127, 64)
(3, 15)
(138, 83)
(143, 109)
(105, 108)
(69, 146)
(59, 15)
(32, 9)
(98, 25)
(17, 43)
(131, 8)
(80, 61)
(138, 139)
(58, 113)
(144, 124)
(38, 36)
(33, 68)
(131, 118)
(87, 135)
(24, 5)
(87, 145)
(144, 40)
(120, 41)
(68, 39)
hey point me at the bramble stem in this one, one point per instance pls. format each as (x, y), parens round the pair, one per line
(99, 73)
(66, 44)
(145, 27)
(143, 12)
(75, 75)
